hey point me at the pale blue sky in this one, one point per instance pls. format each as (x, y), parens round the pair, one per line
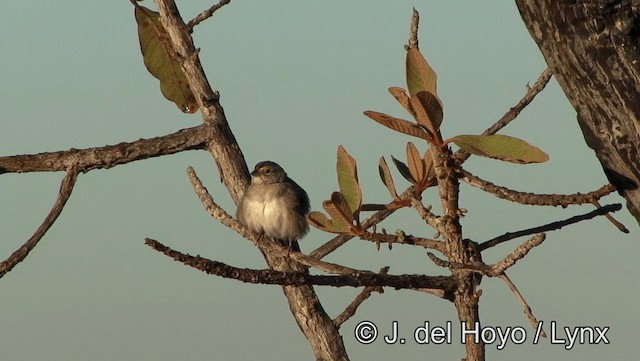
(294, 78)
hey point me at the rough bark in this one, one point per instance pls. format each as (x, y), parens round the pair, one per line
(314, 322)
(593, 49)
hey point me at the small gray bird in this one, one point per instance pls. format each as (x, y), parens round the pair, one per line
(274, 205)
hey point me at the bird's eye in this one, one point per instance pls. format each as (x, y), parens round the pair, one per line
(267, 171)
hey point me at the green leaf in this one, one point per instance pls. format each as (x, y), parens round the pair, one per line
(348, 181)
(320, 221)
(399, 125)
(503, 147)
(387, 179)
(420, 75)
(161, 60)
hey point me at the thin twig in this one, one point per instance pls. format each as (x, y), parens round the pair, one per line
(402, 238)
(554, 200)
(611, 219)
(525, 306)
(413, 30)
(496, 268)
(66, 186)
(273, 277)
(517, 254)
(513, 113)
(425, 213)
(350, 310)
(205, 15)
(550, 226)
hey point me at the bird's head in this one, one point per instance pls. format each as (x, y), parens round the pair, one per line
(268, 173)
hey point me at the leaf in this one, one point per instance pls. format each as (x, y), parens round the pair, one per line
(404, 170)
(431, 170)
(320, 221)
(420, 75)
(399, 125)
(338, 208)
(387, 179)
(432, 107)
(402, 98)
(503, 147)
(415, 163)
(161, 60)
(423, 119)
(348, 181)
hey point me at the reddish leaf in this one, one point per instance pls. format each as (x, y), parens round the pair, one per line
(387, 179)
(402, 98)
(399, 125)
(420, 75)
(320, 221)
(415, 163)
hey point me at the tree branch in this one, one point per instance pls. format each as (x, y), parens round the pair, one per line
(109, 156)
(525, 306)
(205, 15)
(513, 112)
(350, 311)
(66, 186)
(554, 200)
(550, 226)
(273, 277)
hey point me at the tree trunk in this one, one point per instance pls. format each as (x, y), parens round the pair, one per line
(593, 49)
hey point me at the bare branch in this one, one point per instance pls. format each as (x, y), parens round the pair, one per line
(525, 306)
(402, 238)
(205, 15)
(109, 156)
(66, 186)
(413, 30)
(360, 298)
(517, 254)
(513, 113)
(554, 200)
(550, 226)
(611, 219)
(358, 279)
(425, 213)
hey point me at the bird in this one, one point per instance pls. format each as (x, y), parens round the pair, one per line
(274, 205)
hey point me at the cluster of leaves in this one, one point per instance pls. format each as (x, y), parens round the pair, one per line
(424, 105)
